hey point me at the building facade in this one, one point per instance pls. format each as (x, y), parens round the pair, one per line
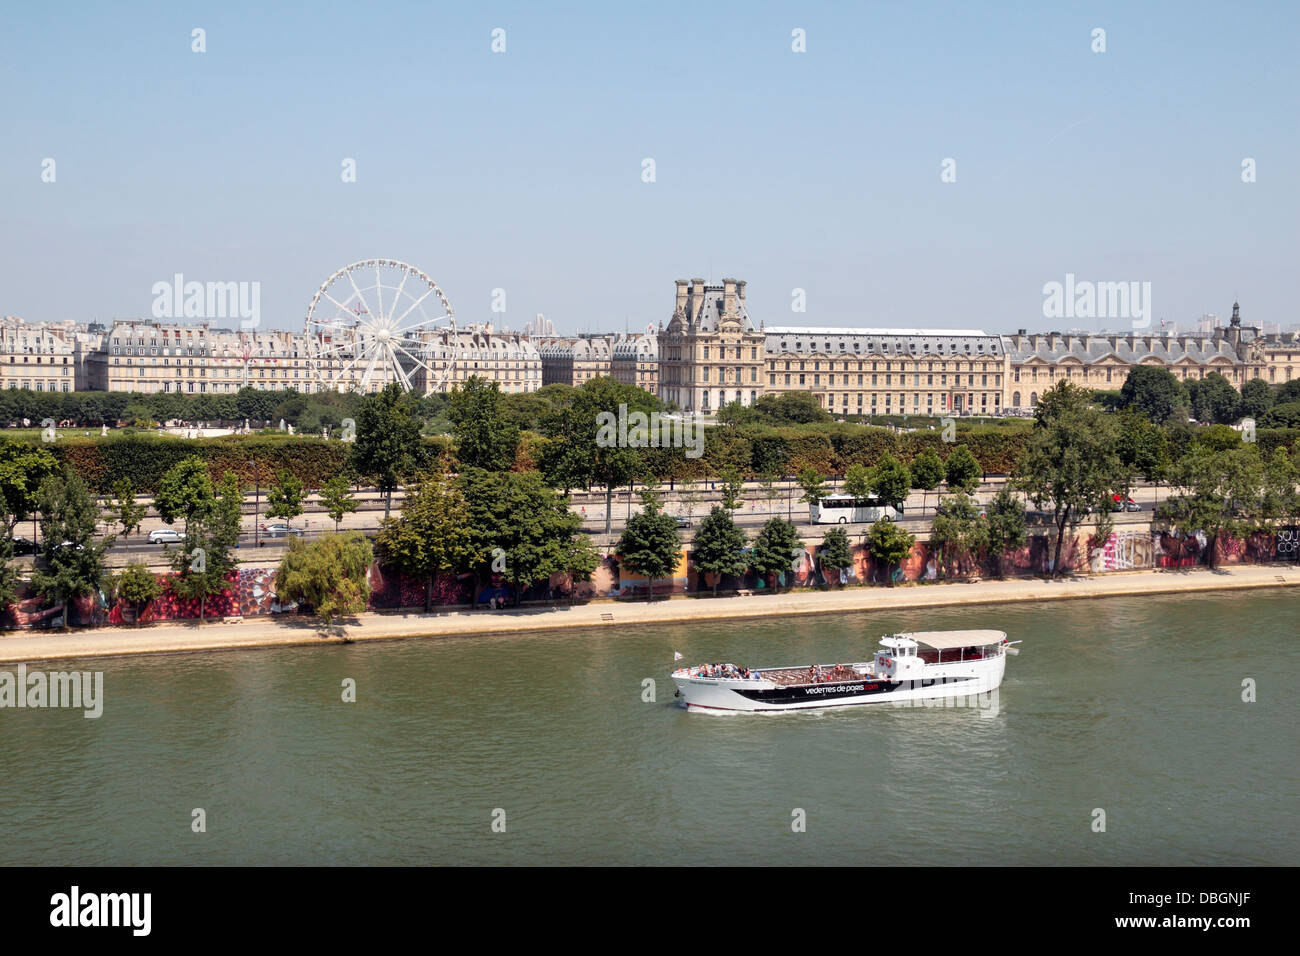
(711, 353)
(37, 356)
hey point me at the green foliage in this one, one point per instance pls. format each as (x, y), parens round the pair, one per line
(137, 585)
(284, 498)
(775, 548)
(891, 481)
(1282, 415)
(1143, 448)
(889, 545)
(1006, 525)
(813, 485)
(835, 552)
(433, 534)
(387, 446)
(331, 575)
(928, 470)
(336, 497)
(1155, 393)
(124, 510)
(23, 467)
(519, 526)
(1073, 462)
(958, 533)
(733, 488)
(1256, 398)
(1213, 399)
(719, 546)
(962, 471)
(1220, 492)
(857, 481)
(74, 559)
(650, 544)
(484, 437)
(185, 492)
(786, 408)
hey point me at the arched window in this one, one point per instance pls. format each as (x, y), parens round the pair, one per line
(1015, 399)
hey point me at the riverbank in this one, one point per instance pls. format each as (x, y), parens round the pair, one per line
(290, 631)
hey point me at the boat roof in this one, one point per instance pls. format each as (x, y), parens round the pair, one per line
(942, 640)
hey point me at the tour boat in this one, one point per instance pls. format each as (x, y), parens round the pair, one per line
(923, 665)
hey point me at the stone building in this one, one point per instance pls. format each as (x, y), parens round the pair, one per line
(890, 371)
(38, 356)
(510, 360)
(711, 353)
(574, 360)
(634, 360)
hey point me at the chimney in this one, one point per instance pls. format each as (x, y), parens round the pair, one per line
(728, 296)
(696, 302)
(681, 296)
(740, 289)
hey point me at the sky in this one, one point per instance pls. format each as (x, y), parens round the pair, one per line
(524, 170)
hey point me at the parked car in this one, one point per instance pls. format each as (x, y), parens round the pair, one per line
(165, 536)
(280, 530)
(24, 546)
(682, 521)
(1124, 503)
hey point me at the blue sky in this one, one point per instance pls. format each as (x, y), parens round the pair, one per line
(522, 170)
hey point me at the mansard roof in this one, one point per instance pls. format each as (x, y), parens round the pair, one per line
(1089, 349)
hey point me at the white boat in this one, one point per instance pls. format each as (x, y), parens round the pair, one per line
(922, 665)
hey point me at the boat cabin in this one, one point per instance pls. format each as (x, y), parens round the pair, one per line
(904, 656)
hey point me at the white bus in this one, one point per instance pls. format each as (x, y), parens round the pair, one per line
(842, 509)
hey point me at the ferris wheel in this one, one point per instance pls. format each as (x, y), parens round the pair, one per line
(378, 321)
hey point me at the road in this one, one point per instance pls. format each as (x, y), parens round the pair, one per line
(258, 547)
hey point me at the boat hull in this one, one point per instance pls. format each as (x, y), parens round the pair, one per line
(710, 695)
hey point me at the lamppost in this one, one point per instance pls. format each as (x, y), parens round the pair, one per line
(257, 495)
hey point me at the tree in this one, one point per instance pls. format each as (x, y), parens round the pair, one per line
(1072, 464)
(387, 446)
(580, 560)
(719, 546)
(284, 498)
(1280, 501)
(650, 544)
(733, 488)
(891, 481)
(1155, 392)
(484, 438)
(1143, 448)
(889, 545)
(962, 471)
(185, 492)
(813, 485)
(517, 526)
(857, 481)
(69, 519)
(336, 497)
(125, 511)
(204, 562)
(775, 549)
(587, 443)
(1220, 493)
(137, 585)
(1282, 415)
(432, 535)
(330, 575)
(958, 531)
(8, 573)
(1256, 398)
(836, 555)
(1216, 400)
(928, 472)
(1006, 525)
(23, 467)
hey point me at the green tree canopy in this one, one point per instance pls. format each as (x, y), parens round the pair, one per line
(484, 437)
(331, 575)
(962, 471)
(387, 446)
(718, 548)
(650, 544)
(1155, 392)
(775, 548)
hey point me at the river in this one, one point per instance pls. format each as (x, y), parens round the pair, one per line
(1129, 706)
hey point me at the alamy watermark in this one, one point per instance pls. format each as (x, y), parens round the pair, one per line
(179, 299)
(42, 689)
(985, 702)
(1084, 299)
(637, 430)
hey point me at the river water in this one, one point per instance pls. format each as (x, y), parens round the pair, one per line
(1129, 706)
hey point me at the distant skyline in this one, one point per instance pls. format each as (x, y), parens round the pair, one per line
(522, 170)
